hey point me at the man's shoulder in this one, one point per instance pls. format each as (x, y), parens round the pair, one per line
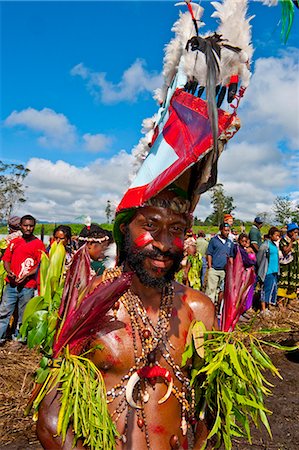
(201, 305)
(38, 243)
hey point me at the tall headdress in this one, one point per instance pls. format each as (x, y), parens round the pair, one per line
(184, 140)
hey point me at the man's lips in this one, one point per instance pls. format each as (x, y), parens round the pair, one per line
(160, 263)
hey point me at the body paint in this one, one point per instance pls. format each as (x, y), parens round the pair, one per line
(185, 444)
(117, 338)
(143, 240)
(157, 429)
(174, 312)
(178, 243)
(129, 329)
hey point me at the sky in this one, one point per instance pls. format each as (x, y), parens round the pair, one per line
(77, 81)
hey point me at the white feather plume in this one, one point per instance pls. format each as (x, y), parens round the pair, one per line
(236, 28)
(184, 30)
(110, 256)
(141, 150)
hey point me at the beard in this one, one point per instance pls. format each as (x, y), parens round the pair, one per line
(135, 258)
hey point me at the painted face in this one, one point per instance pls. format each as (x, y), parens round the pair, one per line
(59, 236)
(27, 227)
(154, 244)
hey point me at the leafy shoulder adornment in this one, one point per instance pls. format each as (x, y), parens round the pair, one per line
(82, 401)
(228, 377)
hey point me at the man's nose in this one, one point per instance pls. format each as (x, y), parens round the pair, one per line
(163, 241)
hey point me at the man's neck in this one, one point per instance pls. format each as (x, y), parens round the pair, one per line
(28, 238)
(150, 297)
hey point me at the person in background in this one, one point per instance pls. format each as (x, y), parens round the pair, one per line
(228, 218)
(21, 260)
(63, 233)
(268, 269)
(190, 272)
(14, 230)
(255, 236)
(220, 248)
(288, 285)
(202, 247)
(97, 240)
(247, 253)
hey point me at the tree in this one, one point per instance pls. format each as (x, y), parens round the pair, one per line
(295, 213)
(222, 204)
(108, 211)
(282, 209)
(12, 189)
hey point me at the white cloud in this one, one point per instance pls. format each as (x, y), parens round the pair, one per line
(271, 107)
(55, 128)
(96, 142)
(58, 191)
(134, 81)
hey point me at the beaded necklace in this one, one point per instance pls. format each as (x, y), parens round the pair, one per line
(153, 339)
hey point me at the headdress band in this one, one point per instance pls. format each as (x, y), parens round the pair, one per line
(92, 239)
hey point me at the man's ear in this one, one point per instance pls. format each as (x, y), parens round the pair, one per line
(122, 228)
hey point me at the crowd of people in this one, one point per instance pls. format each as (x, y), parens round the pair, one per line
(274, 256)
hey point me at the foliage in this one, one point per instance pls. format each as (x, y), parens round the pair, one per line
(82, 402)
(282, 209)
(108, 210)
(222, 204)
(227, 374)
(41, 312)
(194, 271)
(11, 187)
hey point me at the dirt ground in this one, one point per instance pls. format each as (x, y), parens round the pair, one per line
(18, 364)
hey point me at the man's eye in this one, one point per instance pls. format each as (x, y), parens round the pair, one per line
(177, 229)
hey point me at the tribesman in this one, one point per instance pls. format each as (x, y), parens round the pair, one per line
(150, 399)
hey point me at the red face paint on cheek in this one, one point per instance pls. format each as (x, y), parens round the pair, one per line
(143, 240)
(178, 243)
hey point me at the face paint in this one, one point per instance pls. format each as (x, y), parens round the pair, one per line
(178, 243)
(143, 240)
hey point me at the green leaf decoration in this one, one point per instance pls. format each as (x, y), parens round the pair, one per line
(41, 313)
(229, 381)
(82, 399)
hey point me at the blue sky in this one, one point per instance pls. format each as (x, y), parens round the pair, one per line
(54, 109)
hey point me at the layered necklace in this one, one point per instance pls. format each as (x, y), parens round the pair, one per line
(146, 370)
